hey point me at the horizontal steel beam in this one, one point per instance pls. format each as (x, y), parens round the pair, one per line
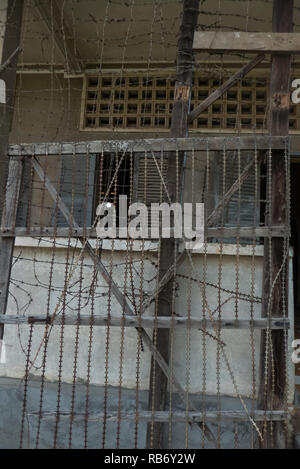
(210, 232)
(247, 232)
(165, 416)
(148, 145)
(161, 322)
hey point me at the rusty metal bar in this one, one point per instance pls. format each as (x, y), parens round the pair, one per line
(147, 145)
(161, 322)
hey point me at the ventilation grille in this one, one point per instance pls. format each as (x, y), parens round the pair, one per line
(144, 103)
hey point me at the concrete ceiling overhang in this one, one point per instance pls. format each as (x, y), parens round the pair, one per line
(119, 32)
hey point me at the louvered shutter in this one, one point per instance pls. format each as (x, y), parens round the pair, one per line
(79, 188)
(152, 178)
(148, 186)
(248, 205)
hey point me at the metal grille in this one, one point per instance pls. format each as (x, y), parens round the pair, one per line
(144, 102)
(85, 315)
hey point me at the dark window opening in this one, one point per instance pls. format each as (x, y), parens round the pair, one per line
(295, 235)
(108, 188)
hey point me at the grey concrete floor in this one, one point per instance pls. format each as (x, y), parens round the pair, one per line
(11, 402)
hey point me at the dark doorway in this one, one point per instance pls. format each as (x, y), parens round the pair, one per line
(295, 233)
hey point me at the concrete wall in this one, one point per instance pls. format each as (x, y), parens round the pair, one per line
(47, 109)
(35, 275)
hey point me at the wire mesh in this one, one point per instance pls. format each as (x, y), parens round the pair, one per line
(82, 320)
(88, 340)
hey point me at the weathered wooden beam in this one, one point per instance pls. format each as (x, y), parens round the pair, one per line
(240, 41)
(53, 16)
(164, 416)
(161, 322)
(246, 232)
(258, 142)
(10, 170)
(158, 388)
(223, 88)
(273, 382)
(214, 216)
(215, 232)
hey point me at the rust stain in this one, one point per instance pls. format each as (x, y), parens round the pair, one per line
(182, 93)
(281, 100)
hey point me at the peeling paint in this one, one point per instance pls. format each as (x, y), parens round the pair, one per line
(182, 93)
(281, 100)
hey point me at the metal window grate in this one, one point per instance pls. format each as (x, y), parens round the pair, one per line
(144, 103)
(103, 291)
(131, 102)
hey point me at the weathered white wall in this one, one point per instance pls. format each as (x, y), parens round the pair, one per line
(238, 347)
